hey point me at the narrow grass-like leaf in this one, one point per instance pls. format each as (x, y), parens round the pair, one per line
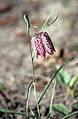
(46, 22)
(53, 20)
(35, 93)
(27, 97)
(49, 83)
(69, 115)
(18, 113)
(31, 112)
(52, 98)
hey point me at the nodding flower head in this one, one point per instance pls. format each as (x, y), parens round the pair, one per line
(41, 43)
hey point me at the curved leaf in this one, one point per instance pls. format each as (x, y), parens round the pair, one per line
(60, 108)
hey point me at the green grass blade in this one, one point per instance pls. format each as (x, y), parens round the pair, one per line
(69, 115)
(27, 97)
(15, 112)
(36, 98)
(45, 22)
(52, 98)
(49, 83)
(53, 20)
(12, 111)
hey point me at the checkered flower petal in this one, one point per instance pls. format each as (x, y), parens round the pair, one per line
(34, 46)
(41, 43)
(38, 46)
(48, 43)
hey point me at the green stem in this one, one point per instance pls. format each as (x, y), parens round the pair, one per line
(34, 85)
(35, 28)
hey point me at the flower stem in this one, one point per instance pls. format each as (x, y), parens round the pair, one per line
(34, 84)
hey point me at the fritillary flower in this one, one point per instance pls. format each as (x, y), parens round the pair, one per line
(41, 43)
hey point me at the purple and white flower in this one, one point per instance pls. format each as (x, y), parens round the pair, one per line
(41, 43)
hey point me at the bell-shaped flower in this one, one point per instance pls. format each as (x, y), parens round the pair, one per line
(41, 43)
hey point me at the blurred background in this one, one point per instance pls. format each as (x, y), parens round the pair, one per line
(15, 62)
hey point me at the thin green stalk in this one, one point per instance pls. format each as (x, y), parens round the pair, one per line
(18, 113)
(46, 22)
(69, 115)
(52, 98)
(34, 85)
(53, 20)
(27, 97)
(32, 112)
(35, 28)
(49, 83)
(36, 99)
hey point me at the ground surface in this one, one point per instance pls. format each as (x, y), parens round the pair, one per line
(15, 62)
